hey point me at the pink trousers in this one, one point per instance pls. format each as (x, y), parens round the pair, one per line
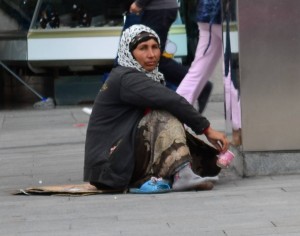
(202, 68)
(232, 103)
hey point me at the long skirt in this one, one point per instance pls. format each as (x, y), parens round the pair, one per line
(163, 146)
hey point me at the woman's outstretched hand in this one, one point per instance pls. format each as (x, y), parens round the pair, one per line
(218, 139)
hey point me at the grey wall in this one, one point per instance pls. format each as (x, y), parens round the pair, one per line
(269, 53)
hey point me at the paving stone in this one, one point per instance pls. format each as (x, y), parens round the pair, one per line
(47, 148)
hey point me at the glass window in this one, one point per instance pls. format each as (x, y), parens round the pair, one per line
(78, 13)
(16, 14)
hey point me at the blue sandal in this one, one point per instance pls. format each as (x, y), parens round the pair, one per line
(154, 185)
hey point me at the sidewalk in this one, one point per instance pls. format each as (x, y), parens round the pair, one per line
(47, 148)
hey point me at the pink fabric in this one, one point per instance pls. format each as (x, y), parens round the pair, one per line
(203, 65)
(202, 68)
(232, 103)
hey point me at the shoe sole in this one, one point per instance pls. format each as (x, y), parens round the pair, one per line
(204, 186)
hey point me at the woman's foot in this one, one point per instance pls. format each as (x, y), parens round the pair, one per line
(207, 185)
(186, 180)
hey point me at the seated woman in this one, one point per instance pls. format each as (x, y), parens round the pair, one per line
(136, 127)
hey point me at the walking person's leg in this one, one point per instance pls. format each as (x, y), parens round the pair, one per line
(160, 21)
(232, 108)
(203, 64)
(236, 117)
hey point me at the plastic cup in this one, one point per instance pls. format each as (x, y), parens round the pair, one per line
(224, 159)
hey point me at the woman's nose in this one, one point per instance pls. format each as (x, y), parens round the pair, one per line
(151, 53)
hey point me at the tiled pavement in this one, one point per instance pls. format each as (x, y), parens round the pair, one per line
(46, 148)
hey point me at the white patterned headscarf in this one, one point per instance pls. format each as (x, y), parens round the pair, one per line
(125, 57)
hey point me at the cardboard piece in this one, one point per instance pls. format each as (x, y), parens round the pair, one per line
(69, 189)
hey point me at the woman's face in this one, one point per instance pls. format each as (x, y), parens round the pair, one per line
(147, 54)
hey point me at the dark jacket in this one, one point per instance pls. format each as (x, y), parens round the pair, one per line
(157, 4)
(125, 4)
(117, 110)
(209, 11)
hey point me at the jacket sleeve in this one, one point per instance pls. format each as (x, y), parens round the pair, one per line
(139, 90)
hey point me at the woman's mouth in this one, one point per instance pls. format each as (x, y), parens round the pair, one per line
(151, 63)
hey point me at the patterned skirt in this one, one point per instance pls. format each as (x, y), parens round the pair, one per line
(163, 146)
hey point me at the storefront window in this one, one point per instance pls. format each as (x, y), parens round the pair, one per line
(16, 14)
(53, 14)
(20, 15)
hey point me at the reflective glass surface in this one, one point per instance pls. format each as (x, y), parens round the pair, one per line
(16, 15)
(52, 14)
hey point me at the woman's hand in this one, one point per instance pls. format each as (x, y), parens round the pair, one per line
(218, 139)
